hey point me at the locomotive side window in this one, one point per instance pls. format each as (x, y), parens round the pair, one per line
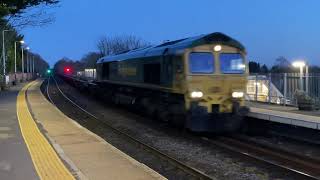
(201, 62)
(152, 73)
(178, 64)
(232, 63)
(105, 70)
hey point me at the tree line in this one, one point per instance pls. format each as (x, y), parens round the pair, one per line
(120, 44)
(14, 15)
(281, 65)
(105, 46)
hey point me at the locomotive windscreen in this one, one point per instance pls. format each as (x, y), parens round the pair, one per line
(232, 63)
(201, 62)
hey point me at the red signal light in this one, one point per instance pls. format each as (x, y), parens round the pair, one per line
(67, 70)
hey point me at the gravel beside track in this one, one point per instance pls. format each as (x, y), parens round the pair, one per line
(307, 149)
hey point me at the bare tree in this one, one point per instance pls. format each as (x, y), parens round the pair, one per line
(34, 16)
(22, 13)
(89, 60)
(119, 44)
(17, 7)
(38, 18)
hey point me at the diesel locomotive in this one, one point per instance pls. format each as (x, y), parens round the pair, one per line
(198, 82)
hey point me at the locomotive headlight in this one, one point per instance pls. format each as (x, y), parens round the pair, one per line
(237, 94)
(196, 94)
(217, 48)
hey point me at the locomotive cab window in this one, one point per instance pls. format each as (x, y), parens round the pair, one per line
(232, 63)
(105, 70)
(201, 63)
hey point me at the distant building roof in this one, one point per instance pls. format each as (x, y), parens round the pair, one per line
(174, 47)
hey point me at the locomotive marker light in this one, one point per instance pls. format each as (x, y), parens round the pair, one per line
(196, 94)
(241, 66)
(217, 48)
(237, 94)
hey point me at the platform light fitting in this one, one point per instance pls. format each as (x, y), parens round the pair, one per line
(298, 64)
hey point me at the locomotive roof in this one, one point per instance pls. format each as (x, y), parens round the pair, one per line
(174, 47)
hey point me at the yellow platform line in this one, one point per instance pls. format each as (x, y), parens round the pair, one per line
(46, 161)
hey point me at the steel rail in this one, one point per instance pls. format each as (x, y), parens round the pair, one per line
(288, 161)
(47, 90)
(184, 167)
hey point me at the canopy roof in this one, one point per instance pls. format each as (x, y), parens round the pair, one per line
(175, 47)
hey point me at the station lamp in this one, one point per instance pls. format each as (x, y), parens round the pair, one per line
(300, 64)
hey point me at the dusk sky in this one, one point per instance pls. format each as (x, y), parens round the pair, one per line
(268, 29)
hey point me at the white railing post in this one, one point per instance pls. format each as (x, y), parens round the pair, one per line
(307, 79)
(269, 88)
(256, 92)
(285, 89)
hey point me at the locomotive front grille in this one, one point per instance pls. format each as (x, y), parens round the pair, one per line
(215, 108)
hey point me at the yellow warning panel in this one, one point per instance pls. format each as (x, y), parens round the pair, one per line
(46, 161)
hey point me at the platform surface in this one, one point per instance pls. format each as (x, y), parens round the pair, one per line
(15, 160)
(88, 155)
(285, 114)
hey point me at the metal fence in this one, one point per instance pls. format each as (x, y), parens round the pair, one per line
(89, 74)
(18, 77)
(280, 88)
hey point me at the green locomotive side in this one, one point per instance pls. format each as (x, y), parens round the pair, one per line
(157, 72)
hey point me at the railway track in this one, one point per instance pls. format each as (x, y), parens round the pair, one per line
(303, 166)
(180, 165)
(299, 165)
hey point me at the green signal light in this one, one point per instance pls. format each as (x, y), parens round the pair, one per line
(49, 71)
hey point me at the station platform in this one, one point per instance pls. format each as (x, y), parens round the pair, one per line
(285, 115)
(15, 161)
(46, 144)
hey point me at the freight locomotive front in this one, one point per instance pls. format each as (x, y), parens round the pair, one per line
(198, 82)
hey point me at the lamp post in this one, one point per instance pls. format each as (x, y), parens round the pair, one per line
(22, 63)
(32, 64)
(300, 64)
(4, 55)
(15, 58)
(27, 48)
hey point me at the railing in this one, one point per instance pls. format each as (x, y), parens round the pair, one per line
(89, 74)
(280, 88)
(12, 78)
